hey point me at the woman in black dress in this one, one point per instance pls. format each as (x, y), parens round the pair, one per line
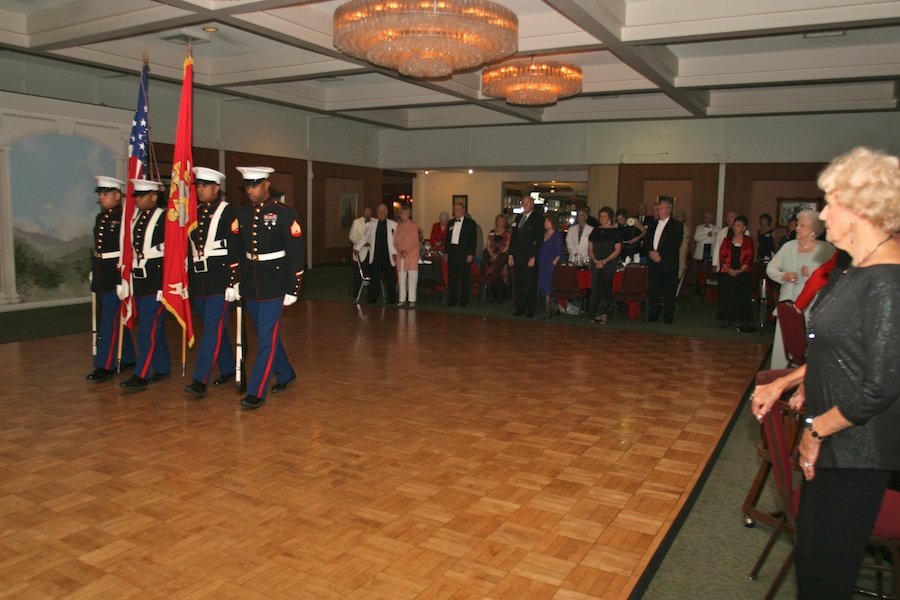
(765, 238)
(736, 260)
(604, 249)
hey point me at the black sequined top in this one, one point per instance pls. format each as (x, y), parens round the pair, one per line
(853, 362)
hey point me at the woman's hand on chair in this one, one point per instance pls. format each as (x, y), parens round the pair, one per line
(798, 398)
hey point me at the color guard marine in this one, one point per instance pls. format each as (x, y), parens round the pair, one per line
(148, 240)
(213, 278)
(105, 278)
(271, 272)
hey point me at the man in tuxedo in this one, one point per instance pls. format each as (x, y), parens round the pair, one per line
(462, 235)
(642, 216)
(705, 236)
(382, 256)
(524, 247)
(662, 244)
(358, 231)
(720, 237)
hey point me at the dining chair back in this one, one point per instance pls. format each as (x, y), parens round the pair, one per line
(793, 333)
(634, 288)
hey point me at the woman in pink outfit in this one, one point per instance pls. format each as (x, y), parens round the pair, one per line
(406, 240)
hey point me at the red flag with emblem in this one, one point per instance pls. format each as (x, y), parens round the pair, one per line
(181, 213)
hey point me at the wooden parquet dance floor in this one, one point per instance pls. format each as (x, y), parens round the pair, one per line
(420, 455)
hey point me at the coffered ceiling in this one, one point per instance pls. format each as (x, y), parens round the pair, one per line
(642, 59)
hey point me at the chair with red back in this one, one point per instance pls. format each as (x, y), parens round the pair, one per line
(635, 287)
(885, 533)
(793, 333)
(565, 284)
(488, 280)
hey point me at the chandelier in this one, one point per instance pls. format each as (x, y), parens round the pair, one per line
(531, 82)
(426, 38)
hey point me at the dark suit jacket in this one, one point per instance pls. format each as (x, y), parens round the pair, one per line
(526, 241)
(467, 237)
(669, 244)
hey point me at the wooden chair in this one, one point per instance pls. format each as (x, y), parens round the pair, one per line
(488, 280)
(635, 287)
(886, 532)
(793, 333)
(565, 284)
(688, 285)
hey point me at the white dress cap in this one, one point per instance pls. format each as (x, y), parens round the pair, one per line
(255, 173)
(108, 183)
(145, 186)
(204, 174)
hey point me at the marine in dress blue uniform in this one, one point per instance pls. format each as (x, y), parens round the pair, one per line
(271, 272)
(105, 278)
(148, 239)
(212, 278)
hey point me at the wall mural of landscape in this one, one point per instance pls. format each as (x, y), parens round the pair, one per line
(53, 210)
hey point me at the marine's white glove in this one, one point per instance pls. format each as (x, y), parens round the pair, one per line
(233, 294)
(159, 296)
(122, 290)
(289, 299)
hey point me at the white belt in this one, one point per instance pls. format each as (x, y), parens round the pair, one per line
(268, 256)
(105, 255)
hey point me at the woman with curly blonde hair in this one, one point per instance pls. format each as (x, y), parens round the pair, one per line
(850, 384)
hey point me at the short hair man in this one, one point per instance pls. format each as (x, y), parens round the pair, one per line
(577, 237)
(382, 256)
(460, 247)
(524, 247)
(148, 240)
(662, 243)
(705, 236)
(271, 271)
(358, 231)
(104, 279)
(213, 278)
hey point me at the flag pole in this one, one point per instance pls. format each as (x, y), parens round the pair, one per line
(183, 351)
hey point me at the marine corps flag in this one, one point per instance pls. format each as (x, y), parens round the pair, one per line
(181, 213)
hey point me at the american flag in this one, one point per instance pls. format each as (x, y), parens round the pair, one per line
(137, 162)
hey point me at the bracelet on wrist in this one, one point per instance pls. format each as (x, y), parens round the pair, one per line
(808, 421)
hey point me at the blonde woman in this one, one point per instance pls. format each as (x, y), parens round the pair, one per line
(406, 241)
(850, 385)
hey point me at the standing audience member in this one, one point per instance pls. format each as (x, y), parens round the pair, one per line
(104, 280)
(460, 252)
(850, 384)
(358, 231)
(382, 253)
(791, 232)
(736, 260)
(439, 233)
(662, 245)
(681, 217)
(148, 239)
(577, 239)
(524, 247)
(632, 233)
(606, 245)
(705, 237)
(643, 218)
(765, 239)
(548, 257)
(792, 267)
(213, 278)
(271, 274)
(720, 238)
(406, 241)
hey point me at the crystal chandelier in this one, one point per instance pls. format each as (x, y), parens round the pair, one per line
(426, 38)
(531, 82)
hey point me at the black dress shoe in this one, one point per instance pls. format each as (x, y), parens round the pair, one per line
(157, 377)
(668, 321)
(223, 379)
(653, 319)
(126, 366)
(529, 315)
(519, 313)
(252, 402)
(196, 388)
(282, 385)
(134, 383)
(100, 375)
(451, 304)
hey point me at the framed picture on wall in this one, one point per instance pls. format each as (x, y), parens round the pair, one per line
(348, 209)
(789, 207)
(669, 198)
(459, 199)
